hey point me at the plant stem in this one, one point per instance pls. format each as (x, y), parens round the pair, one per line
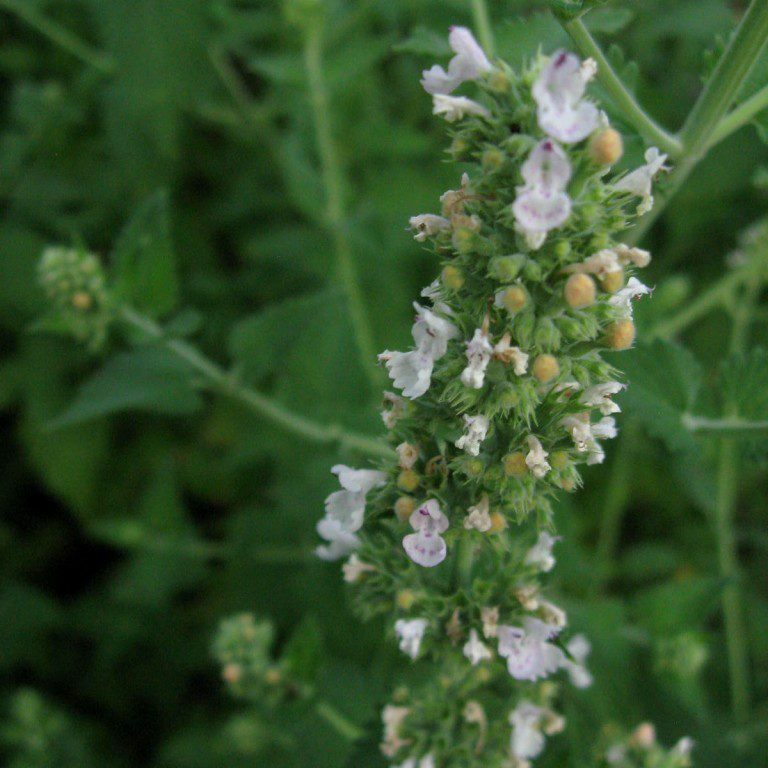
(740, 116)
(621, 96)
(483, 26)
(334, 211)
(725, 509)
(724, 426)
(340, 723)
(221, 380)
(723, 86)
(66, 40)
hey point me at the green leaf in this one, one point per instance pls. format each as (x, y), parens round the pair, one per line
(609, 20)
(424, 42)
(303, 652)
(146, 379)
(745, 384)
(678, 605)
(143, 259)
(664, 379)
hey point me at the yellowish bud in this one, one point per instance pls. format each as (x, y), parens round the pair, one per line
(405, 599)
(606, 147)
(613, 281)
(514, 298)
(514, 464)
(404, 507)
(232, 673)
(580, 291)
(567, 484)
(499, 81)
(492, 159)
(545, 368)
(620, 335)
(408, 480)
(498, 522)
(82, 301)
(273, 676)
(452, 277)
(559, 459)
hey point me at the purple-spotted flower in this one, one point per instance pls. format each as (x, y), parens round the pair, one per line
(469, 63)
(426, 547)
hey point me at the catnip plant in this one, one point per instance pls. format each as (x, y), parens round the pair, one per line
(503, 397)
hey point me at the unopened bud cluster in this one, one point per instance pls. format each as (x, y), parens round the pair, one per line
(75, 284)
(504, 395)
(640, 749)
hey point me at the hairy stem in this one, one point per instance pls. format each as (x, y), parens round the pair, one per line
(334, 205)
(619, 93)
(340, 723)
(219, 379)
(483, 26)
(725, 426)
(65, 39)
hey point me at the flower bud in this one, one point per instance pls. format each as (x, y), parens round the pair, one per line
(474, 467)
(580, 291)
(523, 329)
(514, 299)
(606, 147)
(452, 277)
(507, 268)
(498, 523)
(459, 148)
(404, 507)
(493, 159)
(545, 368)
(463, 239)
(408, 480)
(644, 736)
(620, 335)
(532, 271)
(547, 336)
(559, 460)
(514, 464)
(405, 599)
(499, 82)
(613, 281)
(563, 249)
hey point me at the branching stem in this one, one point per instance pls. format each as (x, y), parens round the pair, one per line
(221, 380)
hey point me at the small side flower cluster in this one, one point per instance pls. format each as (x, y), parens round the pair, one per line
(640, 749)
(503, 396)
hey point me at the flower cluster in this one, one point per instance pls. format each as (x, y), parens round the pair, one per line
(503, 396)
(640, 749)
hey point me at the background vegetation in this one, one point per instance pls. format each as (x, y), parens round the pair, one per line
(189, 140)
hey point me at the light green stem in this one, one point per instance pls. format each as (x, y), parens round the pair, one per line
(724, 426)
(59, 36)
(483, 26)
(740, 116)
(340, 723)
(334, 204)
(222, 381)
(621, 96)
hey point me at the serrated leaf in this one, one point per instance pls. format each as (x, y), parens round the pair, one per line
(143, 259)
(664, 379)
(146, 379)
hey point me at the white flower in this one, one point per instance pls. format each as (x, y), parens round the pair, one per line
(684, 747)
(479, 351)
(529, 654)
(605, 429)
(508, 354)
(392, 414)
(410, 633)
(452, 200)
(630, 255)
(475, 649)
(478, 517)
(469, 63)
(579, 648)
(427, 547)
(623, 298)
(558, 91)
(540, 554)
(640, 181)
(599, 396)
(579, 429)
(354, 568)
(600, 264)
(432, 332)
(527, 739)
(454, 108)
(407, 455)
(433, 290)
(552, 614)
(476, 430)
(344, 511)
(536, 458)
(427, 224)
(428, 761)
(410, 372)
(392, 717)
(542, 204)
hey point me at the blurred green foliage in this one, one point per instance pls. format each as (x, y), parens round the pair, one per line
(177, 140)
